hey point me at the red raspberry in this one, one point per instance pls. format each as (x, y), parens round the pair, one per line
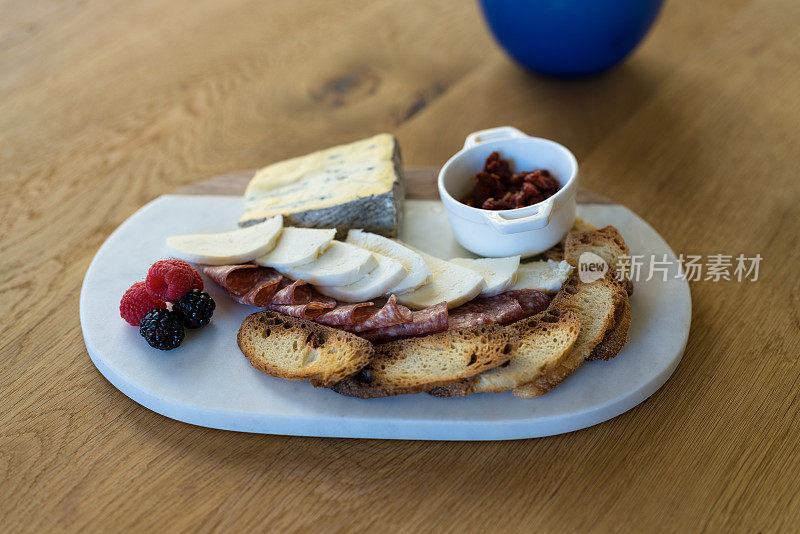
(172, 279)
(136, 302)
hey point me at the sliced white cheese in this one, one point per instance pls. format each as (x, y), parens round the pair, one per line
(297, 246)
(374, 284)
(237, 246)
(547, 276)
(340, 265)
(417, 271)
(451, 283)
(498, 274)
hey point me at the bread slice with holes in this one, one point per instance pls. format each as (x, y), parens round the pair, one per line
(544, 341)
(595, 304)
(606, 242)
(420, 364)
(296, 349)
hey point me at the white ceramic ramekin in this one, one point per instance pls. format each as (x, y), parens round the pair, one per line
(525, 231)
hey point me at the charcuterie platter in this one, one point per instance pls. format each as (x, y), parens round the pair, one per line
(208, 381)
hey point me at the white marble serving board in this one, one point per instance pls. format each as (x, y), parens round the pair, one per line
(208, 382)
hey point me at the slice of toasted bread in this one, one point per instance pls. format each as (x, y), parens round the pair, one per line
(606, 242)
(544, 341)
(595, 304)
(419, 364)
(615, 338)
(297, 349)
(579, 225)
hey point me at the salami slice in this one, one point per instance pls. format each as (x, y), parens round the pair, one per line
(366, 316)
(247, 284)
(501, 309)
(347, 315)
(427, 321)
(309, 310)
(532, 301)
(390, 314)
(299, 292)
(235, 279)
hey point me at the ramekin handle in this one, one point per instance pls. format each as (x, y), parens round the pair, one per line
(534, 221)
(492, 134)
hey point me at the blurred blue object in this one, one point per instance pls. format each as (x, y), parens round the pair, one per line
(570, 37)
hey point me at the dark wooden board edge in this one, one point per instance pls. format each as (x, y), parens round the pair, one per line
(420, 184)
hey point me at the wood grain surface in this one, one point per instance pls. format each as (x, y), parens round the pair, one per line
(107, 105)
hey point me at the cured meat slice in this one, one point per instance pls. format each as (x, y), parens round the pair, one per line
(299, 292)
(501, 309)
(309, 310)
(427, 321)
(532, 301)
(366, 316)
(235, 279)
(390, 314)
(347, 315)
(247, 284)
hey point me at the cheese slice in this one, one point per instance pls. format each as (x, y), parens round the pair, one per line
(375, 283)
(296, 247)
(450, 283)
(417, 271)
(238, 246)
(340, 265)
(547, 276)
(358, 185)
(498, 274)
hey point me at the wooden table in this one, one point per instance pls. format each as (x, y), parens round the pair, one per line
(106, 105)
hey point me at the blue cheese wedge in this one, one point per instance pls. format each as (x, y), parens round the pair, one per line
(358, 185)
(547, 276)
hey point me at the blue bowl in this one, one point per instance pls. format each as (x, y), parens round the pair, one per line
(570, 37)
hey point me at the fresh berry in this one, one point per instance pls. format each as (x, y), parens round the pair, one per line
(162, 329)
(136, 302)
(171, 279)
(194, 309)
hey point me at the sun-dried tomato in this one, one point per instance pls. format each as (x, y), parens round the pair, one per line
(498, 188)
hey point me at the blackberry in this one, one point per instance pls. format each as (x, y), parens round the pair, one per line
(194, 309)
(162, 329)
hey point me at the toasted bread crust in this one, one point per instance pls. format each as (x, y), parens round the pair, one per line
(593, 330)
(354, 387)
(456, 389)
(296, 349)
(546, 339)
(416, 365)
(615, 338)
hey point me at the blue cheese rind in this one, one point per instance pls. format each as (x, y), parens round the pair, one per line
(358, 185)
